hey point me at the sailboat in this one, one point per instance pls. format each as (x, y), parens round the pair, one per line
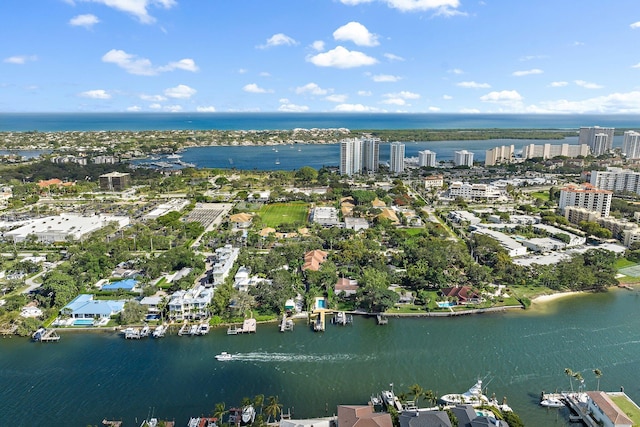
(277, 161)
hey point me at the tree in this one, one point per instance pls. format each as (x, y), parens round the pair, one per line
(220, 411)
(568, 372)
(306, 174)
(258, 401)
(598, 373)
(417, 391)
(133, 312)
(273, 408)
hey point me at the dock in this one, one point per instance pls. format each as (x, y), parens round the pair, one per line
(248, 327)
(132, 334)
(46, 335)
(342, 319)
(159, 331)
(381, 319)
(320, 320)
(184, 329)
(576, 402)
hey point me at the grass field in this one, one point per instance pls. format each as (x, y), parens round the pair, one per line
(623, 263)
(283, 213)
(542, 195)
(628, 408)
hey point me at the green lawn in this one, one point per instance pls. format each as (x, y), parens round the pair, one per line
(283, 213)
(542, 195)
(622, 263)
(628, 408)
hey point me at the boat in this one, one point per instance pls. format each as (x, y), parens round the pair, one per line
(203, 328)
(159, 331)
(146, 330)
(224, 356)
(277, 161)
(552, 402)
(473, 396)
(184, 329)
(174, 156)
(376, 401)
(248, 415)
(391, 400)
(132, 334)
(193, 330)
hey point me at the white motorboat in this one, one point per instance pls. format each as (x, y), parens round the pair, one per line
(248, 414)
(552, 402)
(224, 356)
(473, 396)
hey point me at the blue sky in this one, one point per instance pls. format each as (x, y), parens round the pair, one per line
(450, 56)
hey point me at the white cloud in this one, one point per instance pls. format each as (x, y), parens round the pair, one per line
(357, 33)
(242, 71)
(469, 111)
(173, 108)
(134, 108)
(442, 7)
(279, 39)
(337, 98)
(264, 74)
(635, 25)
(395, 101)
(615, 103)
(153, 98)
(293, 108)
(532, 57)
(254, 88)
(364, 93)
(180, 91)
(95, 94)
(457, 71)
(385, 78)
(588, 85)
(20, 59)
(341, 57)
(558, 84)
(474, 85)
(447, 97)
(392, 57)
(318, 45)
(137, 8)
(434, 109)
(311, 88)
(354, 108)
(155, 106)
(527, 72)
(142, 66)
(403, 95)
(636, 66)
(208, 109)
(504, 96)
(86, 21)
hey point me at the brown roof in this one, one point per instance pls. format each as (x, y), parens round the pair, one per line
(362, 416)
(377, 203)
(313, 259)
(241, 217)
(609, 408)
(266, 231)
(49, 182)
(344, 284)
(390, 215)
(463, 293)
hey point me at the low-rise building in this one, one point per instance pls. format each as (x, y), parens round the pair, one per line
(433, 181)
(474, 191)
(356, 224)
(314, 259)
(241, 220)
(190, 304)
(325, 216)
(513, 247)
(224, 259)
(85, 307)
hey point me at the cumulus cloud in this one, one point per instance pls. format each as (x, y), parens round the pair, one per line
(138, 8)
(354, 108)
(207, 109)
(356, 33)
(527, 72)
(469, 111)
(364, 93)
(254, 88)
(441, 7)
(558, 84)
(403, 94)
(447, 97)
(434, 109)
(503, 96)
(153, 98)
(132, 64)
(635, 25)
(172, 108)
(395, 101)
(531, 57)
(392, 57)
(180, 91)
(134, 108)
(318, 45)
(20, 59)
(588, 85)
(312, 89)
(279, 39)
(385, 78)
(341, 57)
(474, 85)
(615, 103)
(86, 21)
(336, 98)
(292, 108)
(95, 94)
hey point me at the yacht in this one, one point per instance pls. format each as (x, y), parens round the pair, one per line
(224, 356)
(473, 396)
(203, 328)
(248, 415)
(552, 402)
(159, 331)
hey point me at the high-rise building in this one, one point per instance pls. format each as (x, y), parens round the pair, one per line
(114, 181)
(427, 158)
(549, 151)
(358, 155)
(616, 179)
(396, 158)
(631, 144)
(599, 139)
(463, 158)
(503, 154)
(370, 154)
(586, 196)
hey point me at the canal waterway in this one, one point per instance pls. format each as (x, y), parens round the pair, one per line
(89, 376)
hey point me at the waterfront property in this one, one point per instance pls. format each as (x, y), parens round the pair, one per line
(85, 307)
(190, 304)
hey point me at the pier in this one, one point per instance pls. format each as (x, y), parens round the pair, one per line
(286, 324)
(46, 335)
(381, 319)
(319, 322)
(576, 402)
(248, 326)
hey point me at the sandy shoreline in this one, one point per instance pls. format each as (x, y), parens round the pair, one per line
(552, 297)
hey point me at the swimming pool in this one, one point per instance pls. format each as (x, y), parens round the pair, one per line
(83, 322)
(446, 304)
(321, 303)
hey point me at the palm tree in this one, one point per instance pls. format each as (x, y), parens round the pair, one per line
(245, 402)
(417, 392)
(273, 408)
(258, 401)
(219, 411)
(598, 373)
(569, 373)
(578, 377)
(430, 396)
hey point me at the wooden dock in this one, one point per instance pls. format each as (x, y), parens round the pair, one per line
(248, 326)
(381, 319)
(45, 335)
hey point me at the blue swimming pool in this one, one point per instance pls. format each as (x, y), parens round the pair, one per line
(322, 303)
(83, 322)
(446, 304)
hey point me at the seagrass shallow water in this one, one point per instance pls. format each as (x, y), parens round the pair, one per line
(86, 377)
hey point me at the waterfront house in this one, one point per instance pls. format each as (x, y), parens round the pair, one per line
(424, 418)
(127, 285)
(605, 411)
(347, 287)
(362, 416)
(190, 304)
(242, 281)
(313, 260)
(85, 307)
(461, 294)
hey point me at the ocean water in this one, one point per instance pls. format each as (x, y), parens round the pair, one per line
(86, 377)
(45, 122)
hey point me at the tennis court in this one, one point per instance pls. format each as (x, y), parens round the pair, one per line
(633, 271)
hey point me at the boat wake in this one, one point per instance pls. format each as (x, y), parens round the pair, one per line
(288, 357)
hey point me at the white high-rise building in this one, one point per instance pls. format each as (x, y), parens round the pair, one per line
(631, 144)
(616, 179)
(586, 196)
(503, 154)
(360, 154)
(599, 139)
(427, 158)
(396, 158)
(463, 158)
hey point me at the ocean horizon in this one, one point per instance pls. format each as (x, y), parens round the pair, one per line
(61, 122)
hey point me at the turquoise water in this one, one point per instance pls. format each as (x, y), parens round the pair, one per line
(83, 322)
(88, 376)
(259, 121)
(446, 304)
